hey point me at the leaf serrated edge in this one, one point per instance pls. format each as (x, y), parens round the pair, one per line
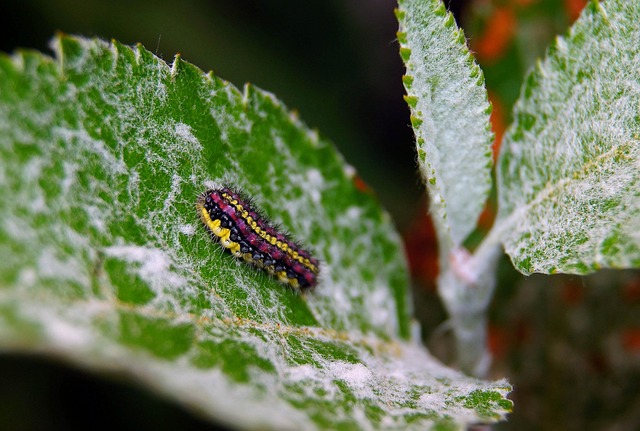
(416, 118)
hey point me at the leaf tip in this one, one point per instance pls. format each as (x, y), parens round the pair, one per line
(119, 48)
(412, 101)
(450, 21)
(59, 34)
(422, 155)
(459, 36)
(488, 110)
(402, 37)
(142, 54)
(475, 72)
(176, 65)
(405, 54)
(68, 48)
(441, 11)
(407, 80)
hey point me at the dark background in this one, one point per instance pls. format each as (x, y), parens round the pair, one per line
(570, 345)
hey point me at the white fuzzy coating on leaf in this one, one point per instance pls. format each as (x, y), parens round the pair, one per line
(569, 172)
(401, 382)
(104, 263)
(450, 115)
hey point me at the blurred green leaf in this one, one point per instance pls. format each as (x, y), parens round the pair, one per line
(569, 182)
(104, 263)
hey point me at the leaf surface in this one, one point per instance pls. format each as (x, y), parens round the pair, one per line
(104, 262)
(569, 172)
(449, 114)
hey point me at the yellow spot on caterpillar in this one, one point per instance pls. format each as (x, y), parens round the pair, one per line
(204, 215)
(222, 232)
(293, 282)
(282, 276)
(235, 249)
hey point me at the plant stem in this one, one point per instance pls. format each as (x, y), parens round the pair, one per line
(466, 284)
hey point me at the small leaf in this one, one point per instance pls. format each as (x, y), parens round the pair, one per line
(569, 172)
(450, 116)
(104, 262)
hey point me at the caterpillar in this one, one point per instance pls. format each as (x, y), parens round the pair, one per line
(248, 235)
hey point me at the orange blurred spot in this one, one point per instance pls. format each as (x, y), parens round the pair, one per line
(498, 122)
(487, 216)
(631, 290)
(498, 33)
(631, 340)
(422, 249)
(361, 185)
(497, 341)
(574, 7)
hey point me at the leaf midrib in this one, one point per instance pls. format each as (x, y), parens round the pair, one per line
(578, 175)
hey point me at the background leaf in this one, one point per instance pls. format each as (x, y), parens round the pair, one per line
(449, 114)
(569, 193)
(104, 264)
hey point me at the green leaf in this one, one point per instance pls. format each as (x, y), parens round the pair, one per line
(449, 115)
(104, 262)
(569, 173)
